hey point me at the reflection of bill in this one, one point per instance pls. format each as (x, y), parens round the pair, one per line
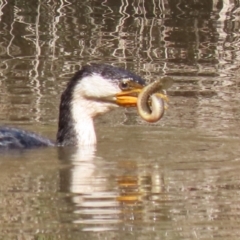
(105, 195)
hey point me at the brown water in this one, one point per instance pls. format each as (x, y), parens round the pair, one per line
(177, 179)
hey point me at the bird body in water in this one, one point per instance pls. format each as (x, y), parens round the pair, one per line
(94, 90)
(14, 138)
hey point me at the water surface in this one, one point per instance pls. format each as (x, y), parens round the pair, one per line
(176, 179)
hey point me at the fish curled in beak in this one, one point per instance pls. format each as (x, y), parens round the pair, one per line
(150, 103)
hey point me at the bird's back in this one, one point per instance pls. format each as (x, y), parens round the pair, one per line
(13, 138)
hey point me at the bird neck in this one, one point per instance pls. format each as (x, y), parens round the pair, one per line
(76, 127)
(83, 126)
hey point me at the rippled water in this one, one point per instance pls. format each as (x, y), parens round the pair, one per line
(177, 179)
(182, 186)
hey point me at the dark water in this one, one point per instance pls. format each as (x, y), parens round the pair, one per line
(177, 179)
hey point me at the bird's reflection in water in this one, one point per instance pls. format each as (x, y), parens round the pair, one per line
(107, 195)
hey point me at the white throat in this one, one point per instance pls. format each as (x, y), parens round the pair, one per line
(83, 126)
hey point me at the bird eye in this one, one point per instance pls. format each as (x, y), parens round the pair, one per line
(124, 85)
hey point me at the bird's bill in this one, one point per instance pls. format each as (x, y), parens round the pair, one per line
(129, 98)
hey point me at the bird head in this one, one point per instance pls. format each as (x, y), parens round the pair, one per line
(102, 87)
(94, 90)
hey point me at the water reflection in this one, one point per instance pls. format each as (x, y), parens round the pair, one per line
(173, 188)
(105, 197)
